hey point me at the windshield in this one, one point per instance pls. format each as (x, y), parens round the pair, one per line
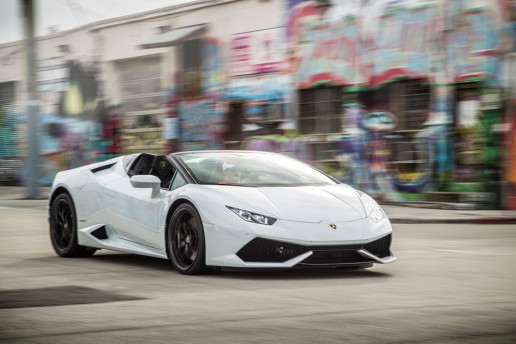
(251, 169)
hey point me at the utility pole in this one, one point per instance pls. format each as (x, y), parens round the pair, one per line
(32, 105)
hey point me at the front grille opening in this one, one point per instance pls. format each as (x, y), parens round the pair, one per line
(268, 251)
(324, 257)
(261, 250)
(380, 247)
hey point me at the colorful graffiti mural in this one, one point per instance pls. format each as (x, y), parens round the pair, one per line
(201, 124)
(330, 53)
(260, 94)
(66, 143)
(404, 47)
(322, 51)
(362, 158)
(76, 128)
(403, 43)
(472, 46)
(400, 45)
(214, 68)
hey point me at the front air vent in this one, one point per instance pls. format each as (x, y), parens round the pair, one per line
(380, 247)
(269, 251)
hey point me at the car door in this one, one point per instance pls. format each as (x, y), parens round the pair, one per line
(136, 215)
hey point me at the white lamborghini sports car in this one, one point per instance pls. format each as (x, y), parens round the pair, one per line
(207, 209)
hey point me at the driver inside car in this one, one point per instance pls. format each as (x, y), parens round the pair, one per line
(231, 174)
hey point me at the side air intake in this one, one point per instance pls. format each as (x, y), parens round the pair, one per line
(100, 233)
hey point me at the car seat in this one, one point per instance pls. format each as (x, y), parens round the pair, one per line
(162, 169)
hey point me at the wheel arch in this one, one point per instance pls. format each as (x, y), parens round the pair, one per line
(170, 212)
(58, 191)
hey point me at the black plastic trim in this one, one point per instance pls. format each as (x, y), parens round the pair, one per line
(102, 168)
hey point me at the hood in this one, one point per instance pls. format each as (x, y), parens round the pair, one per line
(304, 204)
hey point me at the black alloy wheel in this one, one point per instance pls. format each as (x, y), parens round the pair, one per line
(185, 241)
(63, 229)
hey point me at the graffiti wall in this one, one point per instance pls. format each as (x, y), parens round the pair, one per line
(418, 128)
(363, 155)
(330, 53)
(255, 52)
(322, 50)
(400, 44)
(472, 45)
(214, 74)
(75, 126)
(11, 64)
(510, 169)
(201, 124)
(10, 127)
(265, 97)
(66, 142)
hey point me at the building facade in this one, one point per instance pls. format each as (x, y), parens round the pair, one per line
(409, 100)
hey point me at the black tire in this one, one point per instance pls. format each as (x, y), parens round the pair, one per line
(63, 229)
(185, 241)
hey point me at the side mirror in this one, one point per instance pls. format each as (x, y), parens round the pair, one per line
(146, 182)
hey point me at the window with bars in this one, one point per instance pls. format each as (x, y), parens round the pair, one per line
(140, 82)
(414, 98)
(467, 142)
(142, 98)
(320, 110)
(409, 102)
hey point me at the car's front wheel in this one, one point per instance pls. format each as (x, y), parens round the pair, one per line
(63, 229)
(185, 241)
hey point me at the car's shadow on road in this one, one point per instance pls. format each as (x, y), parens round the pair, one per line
(130, 261)
(300, 274)
(103, 259)
(247, 274)
(133, 260)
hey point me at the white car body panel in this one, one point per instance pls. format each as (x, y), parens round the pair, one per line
(135, 222)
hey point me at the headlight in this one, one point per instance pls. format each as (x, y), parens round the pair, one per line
(371, 208)
(253, 217)
(377, 214)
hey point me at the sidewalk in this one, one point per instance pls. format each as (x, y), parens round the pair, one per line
(410, 214)
(14, 197)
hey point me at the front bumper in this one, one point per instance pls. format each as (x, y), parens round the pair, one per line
(261, 250)
(288, 243)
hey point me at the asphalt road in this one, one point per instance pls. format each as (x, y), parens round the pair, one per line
(451, 284)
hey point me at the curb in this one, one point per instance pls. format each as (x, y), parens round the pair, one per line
(475, 221)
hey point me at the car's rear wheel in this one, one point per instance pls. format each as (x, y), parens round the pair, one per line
(63, 228)
(185, 241)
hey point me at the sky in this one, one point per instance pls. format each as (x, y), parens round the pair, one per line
(63, 15)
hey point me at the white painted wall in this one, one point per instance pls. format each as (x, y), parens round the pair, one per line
(118, 39)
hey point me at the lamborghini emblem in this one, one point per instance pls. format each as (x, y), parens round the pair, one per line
(333, 226)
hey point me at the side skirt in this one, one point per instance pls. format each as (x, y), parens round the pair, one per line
(99, 237)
